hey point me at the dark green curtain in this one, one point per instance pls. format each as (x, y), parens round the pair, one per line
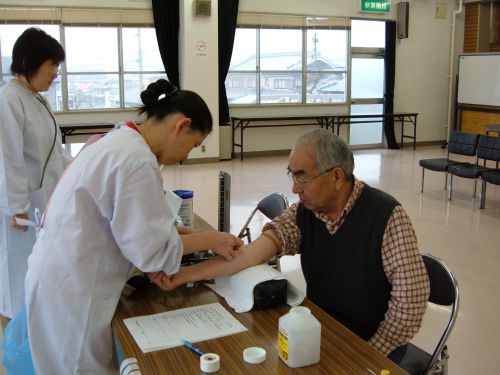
(390, 72)
(228, 13)
(166, 17)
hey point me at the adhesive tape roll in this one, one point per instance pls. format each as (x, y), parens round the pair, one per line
(127, 362)
(254, 355)
(209, 362)
(132, 369)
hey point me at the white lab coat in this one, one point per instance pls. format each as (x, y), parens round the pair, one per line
(26, 136)
(107, 213)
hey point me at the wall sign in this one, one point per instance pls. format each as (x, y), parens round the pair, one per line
(201, 48)
(376, 6)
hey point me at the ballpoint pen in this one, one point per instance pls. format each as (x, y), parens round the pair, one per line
(191, 346)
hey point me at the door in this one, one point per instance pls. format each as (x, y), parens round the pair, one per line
(367, 81)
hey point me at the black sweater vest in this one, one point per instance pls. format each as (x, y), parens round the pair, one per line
(344, 272)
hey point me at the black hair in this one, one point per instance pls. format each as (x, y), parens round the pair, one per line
(162, 98)
(33, 47)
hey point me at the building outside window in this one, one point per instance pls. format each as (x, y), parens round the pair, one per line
(107, 75)
(275, 57)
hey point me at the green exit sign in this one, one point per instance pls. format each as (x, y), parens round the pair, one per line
(376, 6)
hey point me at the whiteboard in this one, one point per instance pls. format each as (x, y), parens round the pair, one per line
(479, 79)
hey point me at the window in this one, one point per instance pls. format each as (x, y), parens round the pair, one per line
(275, 58)
(284, 84)
(237, 83)
(142, 63)
(368, 33)
(105, 75)
(243, 68)
(326, 66)
(8, 36)
(92, 68)
(367, 79)
(280, 66)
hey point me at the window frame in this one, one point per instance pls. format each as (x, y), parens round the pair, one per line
(258, 72)
(64, 74)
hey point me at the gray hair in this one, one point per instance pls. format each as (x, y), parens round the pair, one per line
(328, 149)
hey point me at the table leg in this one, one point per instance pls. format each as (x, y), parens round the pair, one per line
(415, 134)
(241, 144)
(402, 131)
(232, 137)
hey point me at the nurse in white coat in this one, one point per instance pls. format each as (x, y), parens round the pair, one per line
(31, 157)
(108, 214)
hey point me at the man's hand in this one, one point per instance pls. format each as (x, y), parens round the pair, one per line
(224, 244)
(15, 225)
(186, 230)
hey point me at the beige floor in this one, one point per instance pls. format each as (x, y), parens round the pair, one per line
(466, 237)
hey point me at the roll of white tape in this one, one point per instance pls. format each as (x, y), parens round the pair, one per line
(254, 355)
(127, 362)
(209, 362)
(132, 369)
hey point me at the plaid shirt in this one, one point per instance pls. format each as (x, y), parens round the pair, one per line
(402, 264)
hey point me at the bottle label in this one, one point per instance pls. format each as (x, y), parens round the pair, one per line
(283, 344)
(186, 212)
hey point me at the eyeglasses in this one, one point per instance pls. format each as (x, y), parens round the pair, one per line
(303, 180)
(53, 68)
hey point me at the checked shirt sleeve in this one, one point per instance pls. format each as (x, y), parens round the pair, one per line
(407, 274)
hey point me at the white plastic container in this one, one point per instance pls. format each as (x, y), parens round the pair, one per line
(186, 210)
(299, 337)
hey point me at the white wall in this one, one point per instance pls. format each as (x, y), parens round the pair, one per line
(422, 70)
(199, 70)
(422, 64)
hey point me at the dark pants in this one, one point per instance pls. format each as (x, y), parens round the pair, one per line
(397, 354)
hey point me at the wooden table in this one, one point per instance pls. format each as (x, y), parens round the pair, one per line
(342, 352)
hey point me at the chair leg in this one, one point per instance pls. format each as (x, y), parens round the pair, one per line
(445, 180)
(482, 194)
(441, 366)
(475, 188)
(422, 187)
(450, 187)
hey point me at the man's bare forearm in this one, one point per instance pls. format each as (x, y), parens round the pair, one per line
(259, 251)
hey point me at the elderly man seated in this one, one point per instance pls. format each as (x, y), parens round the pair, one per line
(357, 245)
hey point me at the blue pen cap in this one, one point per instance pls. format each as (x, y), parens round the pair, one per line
(184, 194)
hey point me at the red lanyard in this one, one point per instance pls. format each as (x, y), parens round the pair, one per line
(132, 125)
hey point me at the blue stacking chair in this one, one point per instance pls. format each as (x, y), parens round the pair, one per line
(458, 144)
(488, 149)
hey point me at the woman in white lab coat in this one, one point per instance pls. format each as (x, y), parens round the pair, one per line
(31, 156)
(108, 214)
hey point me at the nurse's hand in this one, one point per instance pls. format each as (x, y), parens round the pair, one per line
(15, 225)
(163, 281)
(224, 244)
